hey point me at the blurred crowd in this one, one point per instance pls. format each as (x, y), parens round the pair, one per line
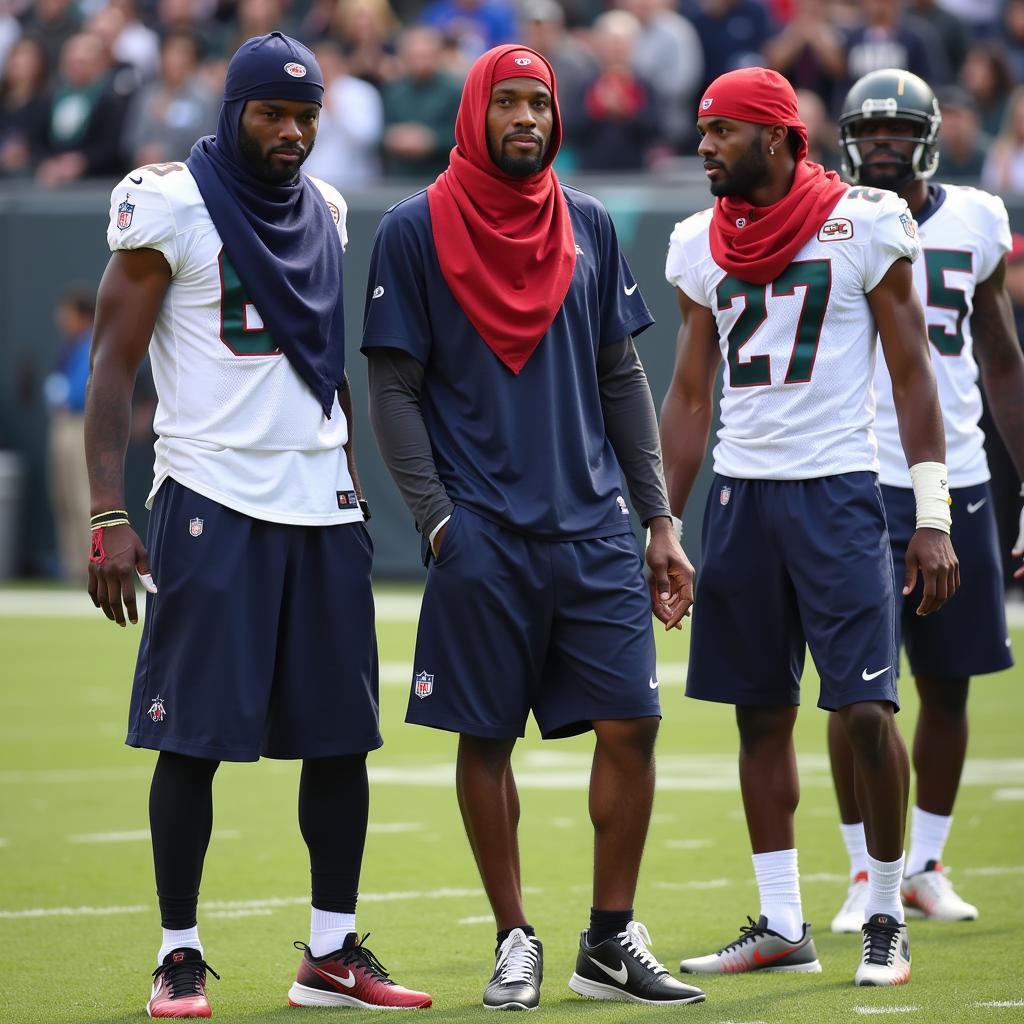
(91, 88)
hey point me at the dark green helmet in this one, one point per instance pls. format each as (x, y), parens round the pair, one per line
(896, 95)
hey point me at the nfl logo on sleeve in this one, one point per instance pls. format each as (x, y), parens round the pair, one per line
(423, 684)
(124, 214)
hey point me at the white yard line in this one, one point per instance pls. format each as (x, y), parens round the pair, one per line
(878, 1011)
(1014, 794)
(136, 836)
(688, 844)
(707, 883)
(394, 827)
(1001, 1004)
(478, 919)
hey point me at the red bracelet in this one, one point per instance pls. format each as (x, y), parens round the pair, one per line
(98, 554)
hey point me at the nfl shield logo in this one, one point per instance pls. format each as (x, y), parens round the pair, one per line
(724, 495)
(124, 214)
(423, 684)
(908, 224)
(195, 526)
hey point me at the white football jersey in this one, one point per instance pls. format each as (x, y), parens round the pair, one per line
(234, 421)
(799, 352)
(962, 242)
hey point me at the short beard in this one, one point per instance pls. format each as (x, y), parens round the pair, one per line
(521, 166)
(260, 165)
(892, 176)
(749, 172)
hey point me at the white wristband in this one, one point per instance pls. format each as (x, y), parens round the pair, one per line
(435, 531)
(931, 492)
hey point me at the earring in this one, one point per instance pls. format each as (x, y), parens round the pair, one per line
(771, 151)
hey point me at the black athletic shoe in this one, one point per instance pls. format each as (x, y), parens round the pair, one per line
(625, 968)
(518, 972)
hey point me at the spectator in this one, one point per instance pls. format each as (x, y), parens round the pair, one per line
(822, 135)
(988, 77)
(1013, 34)
(366, 31)
(346, 154)
(543, 30)
(135, 44)
(166, 116)
(85, 117)
(616, 125)
(888, 38)
(953, 31)
(1004, 165)
(962, 146)
(10, 33)
(476, 25)
(179, 16)
(733, 33)
(419, 109)
(667, 53)
(24, 103)
(254, 18)
(53, 23)
(64, 391)
(810, 52)
(980, 16)
(108, 23)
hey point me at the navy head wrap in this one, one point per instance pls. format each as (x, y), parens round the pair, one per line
(281, 239)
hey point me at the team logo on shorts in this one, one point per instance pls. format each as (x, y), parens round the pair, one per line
(124, 214)
(195, 527)
(908, 224)
(623, 507)
(157, 711)
(295, 70)
(724, 495)
(423, 684)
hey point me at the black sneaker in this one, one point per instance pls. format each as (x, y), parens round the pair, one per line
(179, 985)
(518, 972)
(625, 968)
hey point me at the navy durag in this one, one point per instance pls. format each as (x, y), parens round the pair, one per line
(281, 239)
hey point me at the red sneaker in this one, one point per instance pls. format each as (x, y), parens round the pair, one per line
(350, 976)
(179, 985)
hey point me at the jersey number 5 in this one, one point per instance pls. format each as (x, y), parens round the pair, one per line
(940, 296)
(815, 277)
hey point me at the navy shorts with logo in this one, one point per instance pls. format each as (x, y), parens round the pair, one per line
(787, 565)
(511, 624)
(260, 640)
(967, 636)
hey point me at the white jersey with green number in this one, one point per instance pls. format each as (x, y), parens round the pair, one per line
(234, 421)
(962, 241)
(799, 352)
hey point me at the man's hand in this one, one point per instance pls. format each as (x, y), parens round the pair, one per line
(435, 544)
(117, 554)
(670, 575)
(931, 554)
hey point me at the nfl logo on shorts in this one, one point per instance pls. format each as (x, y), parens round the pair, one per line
(724, 495)
(195, 526)
(423, 684)
(124, 215)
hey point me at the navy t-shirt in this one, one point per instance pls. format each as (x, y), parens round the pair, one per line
(528, 451)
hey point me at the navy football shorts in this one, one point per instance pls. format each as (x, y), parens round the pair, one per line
(511, 624)
(790, 565)
(260, 639)
(968, 635)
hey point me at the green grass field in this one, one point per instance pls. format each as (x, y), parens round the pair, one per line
(78, 923)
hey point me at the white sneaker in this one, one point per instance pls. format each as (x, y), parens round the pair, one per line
(930, 893)
(886, 956)
(850, 918)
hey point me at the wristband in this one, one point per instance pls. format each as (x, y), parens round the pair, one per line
(931, 493)
(97, 553)
(115, 517)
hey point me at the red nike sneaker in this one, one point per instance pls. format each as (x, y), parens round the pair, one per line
(350, 976)
(179, 985)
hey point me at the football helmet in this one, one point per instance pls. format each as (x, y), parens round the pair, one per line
(895, 95)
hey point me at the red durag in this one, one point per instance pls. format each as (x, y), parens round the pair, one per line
(505, 245)
(757, 243)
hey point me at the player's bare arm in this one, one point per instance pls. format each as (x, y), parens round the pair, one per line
(1002, 370)
(129, 298)
(689, 402)
(901, 329)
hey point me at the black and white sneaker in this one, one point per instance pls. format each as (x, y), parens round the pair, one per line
(625, 968)
(885, 959)
(518, 972)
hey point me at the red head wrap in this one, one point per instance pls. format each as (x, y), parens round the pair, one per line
(757, 244)
(505, 245)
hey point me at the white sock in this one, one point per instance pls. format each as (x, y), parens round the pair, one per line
(178, 938)
(884, 879)
(778, 883)
(928, 835)
(328, 930)
(856, 847)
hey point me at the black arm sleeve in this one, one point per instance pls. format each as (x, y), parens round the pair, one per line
(396, 382)
(632, 426)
